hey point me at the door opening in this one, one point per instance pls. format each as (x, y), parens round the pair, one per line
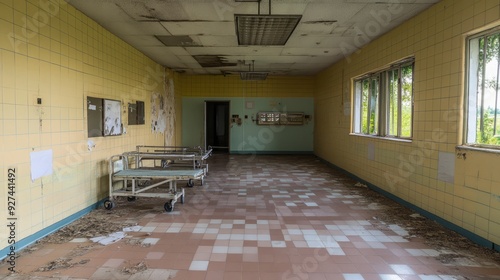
(217, 125)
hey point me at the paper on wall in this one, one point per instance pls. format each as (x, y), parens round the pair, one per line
(41, 164)
(446, 167)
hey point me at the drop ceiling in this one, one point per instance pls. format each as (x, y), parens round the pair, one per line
(199, 36)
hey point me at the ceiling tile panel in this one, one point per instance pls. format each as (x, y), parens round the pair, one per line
(257, 51)
(129, 27)
(317, 27)
(199, 28)
(151, 10)
(209, 10)
(142, 41)
(331, 10)
(327, 31)
(178, 51)
(309, 41)
(308, 51)
(218, 41)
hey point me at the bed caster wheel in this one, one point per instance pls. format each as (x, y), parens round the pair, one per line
(131, 198)
(168, 206)
(190, 183)
(182, 199)
(108, 204)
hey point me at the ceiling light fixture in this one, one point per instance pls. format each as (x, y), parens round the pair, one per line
(265, 30)
(252, 75)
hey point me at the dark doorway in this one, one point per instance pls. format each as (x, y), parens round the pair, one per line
(217, 125)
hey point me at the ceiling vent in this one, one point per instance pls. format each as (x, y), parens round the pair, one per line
(253, 76)
(264, 30)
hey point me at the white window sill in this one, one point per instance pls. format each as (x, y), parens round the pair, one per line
(395, 139)
(483, 149)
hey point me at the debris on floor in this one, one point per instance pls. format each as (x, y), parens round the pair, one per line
(135, 241)
(61, 263)
(450, 248)
(99, 222)
(132, 229)
(109, 239)
(435, 235)
(133, 269)
(359, 184)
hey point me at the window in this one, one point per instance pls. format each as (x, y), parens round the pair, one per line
(383, 102)
(483, 112)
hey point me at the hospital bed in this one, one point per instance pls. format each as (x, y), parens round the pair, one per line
(146, 182)
(173, 157)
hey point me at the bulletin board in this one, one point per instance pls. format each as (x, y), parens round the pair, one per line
(112, 117)
(94, 117)
(136, 113)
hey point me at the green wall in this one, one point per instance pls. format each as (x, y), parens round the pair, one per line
(250, 137)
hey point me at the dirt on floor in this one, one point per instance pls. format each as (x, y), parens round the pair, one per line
(99, 222)
(134, 268)
(454, 248)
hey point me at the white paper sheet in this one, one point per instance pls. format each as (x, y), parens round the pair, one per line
(446, 167)
(41, 164)
(371, 151)
(134, 228)
(110, 238)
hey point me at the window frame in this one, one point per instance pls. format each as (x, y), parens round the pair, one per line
(383, 115)
(471, 87)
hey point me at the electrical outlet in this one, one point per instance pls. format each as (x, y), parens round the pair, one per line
(36, 99)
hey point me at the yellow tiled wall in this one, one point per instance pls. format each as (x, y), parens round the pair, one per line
(52, 51)
(233, 86)
(436, 38)
(178, 109)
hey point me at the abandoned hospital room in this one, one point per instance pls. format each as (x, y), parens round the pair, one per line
(250, 139)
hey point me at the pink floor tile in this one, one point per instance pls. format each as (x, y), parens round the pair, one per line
(280, 217)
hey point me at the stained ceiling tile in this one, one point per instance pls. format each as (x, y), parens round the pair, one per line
(142, 40)
(217, 41)
(257, 51)
(178, 41)
(213, 61)
(309, 51)
(328, 31)
(316, 27)
(199, 27)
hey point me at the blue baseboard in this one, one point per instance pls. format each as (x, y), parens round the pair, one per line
(447, 224)
(23, 243)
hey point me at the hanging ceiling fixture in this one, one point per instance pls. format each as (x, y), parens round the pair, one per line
(252, 75)
(264, 30)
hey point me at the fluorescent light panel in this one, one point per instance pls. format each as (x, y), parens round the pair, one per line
(265, 30)
(253, 76)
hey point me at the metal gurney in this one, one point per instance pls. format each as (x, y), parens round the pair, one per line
(146, 182)
(173, 157)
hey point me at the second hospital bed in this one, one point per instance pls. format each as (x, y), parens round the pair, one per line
(173, 157)
(146, 182)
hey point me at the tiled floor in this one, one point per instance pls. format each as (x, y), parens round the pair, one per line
(256, 217)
